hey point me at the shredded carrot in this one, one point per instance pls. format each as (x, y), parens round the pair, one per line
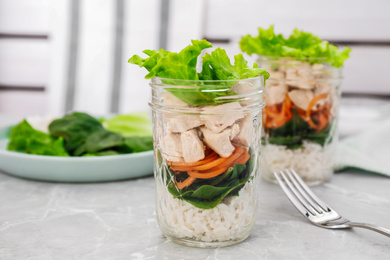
(323, 121)
(212, 156)
(220, 161)
(243, 159)
(313, 102)
(211, 167)
(206, 175)
(278, 114)
(214, 172)
(322, 116)
(187, 182)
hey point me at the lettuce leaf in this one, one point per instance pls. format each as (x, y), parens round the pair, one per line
(182, 66)
(172, 65)
(299, 44)
(134, 124)
(220, 67)
(24, 138)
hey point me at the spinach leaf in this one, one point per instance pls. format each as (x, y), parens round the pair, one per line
(208, 193)
(85, 135)
(289, 141)
(74, 129)
(138, 144)
(102, 140)
(24, 138)
(208, 203)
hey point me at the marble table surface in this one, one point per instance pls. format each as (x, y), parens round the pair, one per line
(116, 220)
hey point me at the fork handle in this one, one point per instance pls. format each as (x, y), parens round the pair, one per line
(381, 230)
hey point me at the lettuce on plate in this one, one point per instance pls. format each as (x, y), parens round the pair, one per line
(181, 67)
(84, 135)
(79, 134)
(134, 124)
(299, 44)
(24, 138)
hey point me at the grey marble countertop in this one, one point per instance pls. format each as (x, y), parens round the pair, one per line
(116, 220)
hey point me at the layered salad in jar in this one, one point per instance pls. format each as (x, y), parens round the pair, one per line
(303, 92)
(206, 140)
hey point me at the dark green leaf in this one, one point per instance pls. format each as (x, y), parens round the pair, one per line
(139, 143)
(74, 129)
(208, 193)
(103, 140)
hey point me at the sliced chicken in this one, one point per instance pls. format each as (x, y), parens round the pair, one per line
(192, 147)
(244, 88)
(276, 94)
(301, 98)
(300, 76)
(244, 137)
(322, 87)
(217, 118)
(179, 123)
(173, 158)
(172, 148)
(221, 142)
(321, 71)
(278, 75)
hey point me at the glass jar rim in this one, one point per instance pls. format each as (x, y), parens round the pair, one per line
(160, 80)
(266, 58)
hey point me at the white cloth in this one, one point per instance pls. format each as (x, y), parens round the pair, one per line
(368, 151)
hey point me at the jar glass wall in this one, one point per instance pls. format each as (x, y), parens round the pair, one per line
(300, 118)
(207, 158)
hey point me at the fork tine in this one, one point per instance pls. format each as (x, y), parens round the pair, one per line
(303, 192)
(297, 194)
(291, 195)
(322, 204)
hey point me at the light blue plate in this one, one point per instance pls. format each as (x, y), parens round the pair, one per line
(73, 169)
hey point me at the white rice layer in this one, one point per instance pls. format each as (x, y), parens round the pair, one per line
(229, 220)
(313, 162)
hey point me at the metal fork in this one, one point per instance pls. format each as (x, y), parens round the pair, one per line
(318, 212)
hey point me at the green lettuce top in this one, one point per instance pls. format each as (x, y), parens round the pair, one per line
(182, 66)
(299, 44)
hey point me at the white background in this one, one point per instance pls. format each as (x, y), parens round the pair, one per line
(40, 63)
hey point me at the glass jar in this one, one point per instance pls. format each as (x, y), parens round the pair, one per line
(207, 150)
(300, 118)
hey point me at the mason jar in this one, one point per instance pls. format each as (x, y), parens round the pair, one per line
(300, 118)
(207, 137)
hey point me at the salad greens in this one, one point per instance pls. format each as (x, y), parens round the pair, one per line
(208, 193)
(292, 133)
(181, 67)
(134, 124)
(299, 44)
(24, 138)
(79, 134)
